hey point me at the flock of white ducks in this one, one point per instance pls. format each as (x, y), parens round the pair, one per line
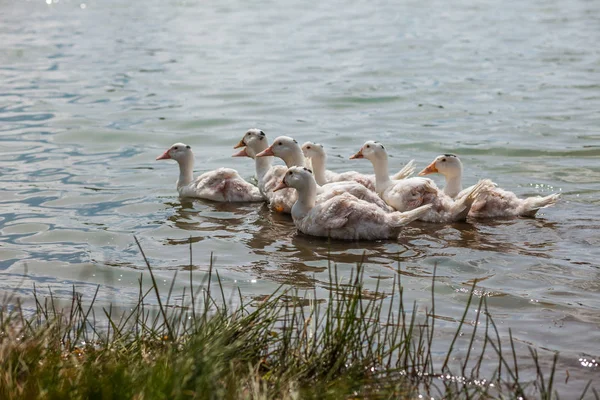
(348, 205)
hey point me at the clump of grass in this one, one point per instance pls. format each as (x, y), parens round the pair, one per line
(285, 346)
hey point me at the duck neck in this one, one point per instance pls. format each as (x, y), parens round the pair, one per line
(295, 159)
(453, 183)
(307, 196)
(382, 177)
(186, 172)
(318, 169)
(262, 165)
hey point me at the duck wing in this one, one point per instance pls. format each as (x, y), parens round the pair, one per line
(410, 193)
(332, 213)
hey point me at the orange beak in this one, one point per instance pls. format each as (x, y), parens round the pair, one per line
(357, 155)
(164, 156)
(282, 185)
(240, 144)
(267, 152)
(241, 153)
(430, 169)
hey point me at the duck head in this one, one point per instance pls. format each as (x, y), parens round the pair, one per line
(179, 152)
(448, 165)
(297, 178)
(313, 150)
(371, 150)
(253, 142)
(287, 149)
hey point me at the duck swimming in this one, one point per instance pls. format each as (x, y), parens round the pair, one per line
(495, 202)
(223, 184)
(342, 216)
(407, 194)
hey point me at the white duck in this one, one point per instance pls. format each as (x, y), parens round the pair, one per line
(343, 216)
(290, 152)
(287, 149)
(223, 184)
(494, 203)
(268, 175)
(318, 158)
(410, 193)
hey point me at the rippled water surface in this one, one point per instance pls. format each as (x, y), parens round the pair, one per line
(91, 93)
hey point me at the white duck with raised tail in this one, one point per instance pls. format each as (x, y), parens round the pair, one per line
(407, 194)
(496, 202)
(342, 216)
(223, 184)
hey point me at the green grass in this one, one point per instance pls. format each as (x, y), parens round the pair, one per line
(286, 346)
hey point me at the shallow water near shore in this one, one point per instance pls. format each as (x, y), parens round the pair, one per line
(91, 92)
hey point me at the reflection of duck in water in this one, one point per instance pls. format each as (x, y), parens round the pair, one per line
(183, 218)
(194, 215)
(223, 184)
(379, 252)
(495, 202)
(268, 229)
(496, 236)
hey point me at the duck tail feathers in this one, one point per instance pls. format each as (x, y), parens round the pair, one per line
(405, 172)
(532, 205)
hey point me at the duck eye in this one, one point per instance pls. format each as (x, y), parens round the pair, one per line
(290, 173)
(248, 134)
(188, 147)
(308, 147)
(443, 160)
(262, 133)
(280, 143)
(368, 146)
(175, 148)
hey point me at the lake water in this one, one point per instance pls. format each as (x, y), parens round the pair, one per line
(92, 91)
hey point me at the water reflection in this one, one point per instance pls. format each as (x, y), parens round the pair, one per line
(287, 255)
(518, 236)
(204, 215)
(343, 252)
